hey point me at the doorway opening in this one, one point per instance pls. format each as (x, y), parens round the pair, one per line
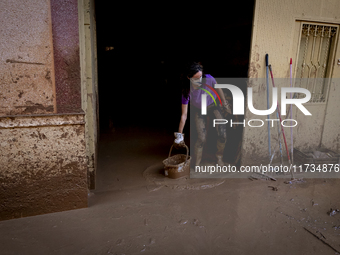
(141, 54)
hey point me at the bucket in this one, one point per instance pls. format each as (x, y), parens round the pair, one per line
(178, 165)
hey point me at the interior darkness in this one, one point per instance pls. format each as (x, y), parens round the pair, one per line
(139, 79)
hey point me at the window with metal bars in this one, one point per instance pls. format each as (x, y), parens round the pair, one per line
(315, 59)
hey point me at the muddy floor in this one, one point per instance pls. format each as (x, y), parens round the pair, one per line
(130, 213)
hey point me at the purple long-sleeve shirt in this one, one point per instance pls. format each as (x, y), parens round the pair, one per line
(195, 95)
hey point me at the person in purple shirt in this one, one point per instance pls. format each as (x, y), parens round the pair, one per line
(192, 93)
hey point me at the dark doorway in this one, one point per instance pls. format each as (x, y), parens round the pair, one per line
(139, 79)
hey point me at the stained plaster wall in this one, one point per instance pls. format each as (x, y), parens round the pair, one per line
(43, 161)
(276, 33)
(26, 61)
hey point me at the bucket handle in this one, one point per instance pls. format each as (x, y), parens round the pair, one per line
(187, 152)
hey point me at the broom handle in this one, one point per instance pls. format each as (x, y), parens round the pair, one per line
(278, 110)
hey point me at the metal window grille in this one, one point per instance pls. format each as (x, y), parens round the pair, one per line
(314, 60)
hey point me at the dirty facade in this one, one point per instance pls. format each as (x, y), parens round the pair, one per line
(46, 88)
(49, 96)
(292, 29)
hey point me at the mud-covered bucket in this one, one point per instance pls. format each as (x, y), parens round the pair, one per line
(178, 165)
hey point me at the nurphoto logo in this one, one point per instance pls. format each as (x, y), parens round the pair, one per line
(238, 105)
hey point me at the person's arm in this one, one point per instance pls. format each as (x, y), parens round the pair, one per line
(183, 118)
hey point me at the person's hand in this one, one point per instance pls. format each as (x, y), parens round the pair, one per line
(179, 140)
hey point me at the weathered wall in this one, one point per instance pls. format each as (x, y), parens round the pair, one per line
(26, 59)
(276, 33)
(331, 132)
(42, 165)
(66, 55)
(43, 159)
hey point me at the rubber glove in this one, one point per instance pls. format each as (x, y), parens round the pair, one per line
(179, 140)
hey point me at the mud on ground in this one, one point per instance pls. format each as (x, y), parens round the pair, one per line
(129, 213)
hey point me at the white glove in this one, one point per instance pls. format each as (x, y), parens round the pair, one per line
(179, 138)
